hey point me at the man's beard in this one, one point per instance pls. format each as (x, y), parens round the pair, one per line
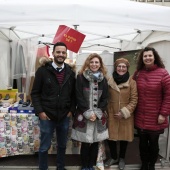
(59, 62)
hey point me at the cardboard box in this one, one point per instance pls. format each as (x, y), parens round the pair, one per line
(12, 93)
(26, 110)
(12, 109)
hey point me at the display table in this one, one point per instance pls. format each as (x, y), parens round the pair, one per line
(19, 134)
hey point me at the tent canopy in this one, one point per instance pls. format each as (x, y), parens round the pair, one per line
(108, 25)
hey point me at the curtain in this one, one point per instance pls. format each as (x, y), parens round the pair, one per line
(23, 62)
(4, 64)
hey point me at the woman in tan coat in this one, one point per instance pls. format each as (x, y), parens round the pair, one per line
(122, 102)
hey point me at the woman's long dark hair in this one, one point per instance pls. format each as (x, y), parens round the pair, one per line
(158, 61)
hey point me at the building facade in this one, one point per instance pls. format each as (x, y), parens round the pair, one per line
(156, 2)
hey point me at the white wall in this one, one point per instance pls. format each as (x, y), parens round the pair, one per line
(105, 55)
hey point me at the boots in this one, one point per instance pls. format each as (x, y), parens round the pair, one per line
(144, 166)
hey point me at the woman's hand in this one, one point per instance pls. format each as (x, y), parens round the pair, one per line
(161, 119)
(118, 115)
(93, 117)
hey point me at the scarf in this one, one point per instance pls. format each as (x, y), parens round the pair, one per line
(90, 76)
(120, 78)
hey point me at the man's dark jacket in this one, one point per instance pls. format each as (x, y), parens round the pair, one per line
(50, 97)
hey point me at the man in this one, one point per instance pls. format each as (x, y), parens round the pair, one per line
(53, 98)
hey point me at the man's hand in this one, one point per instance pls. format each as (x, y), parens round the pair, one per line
(69, 114)
(43, 116)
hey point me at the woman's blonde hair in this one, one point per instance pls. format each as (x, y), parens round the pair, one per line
(87, 64)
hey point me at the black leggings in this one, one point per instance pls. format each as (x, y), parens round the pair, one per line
(89, 154)
(148, 146)
(113, 149)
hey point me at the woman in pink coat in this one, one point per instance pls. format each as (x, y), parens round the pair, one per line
(153, 108)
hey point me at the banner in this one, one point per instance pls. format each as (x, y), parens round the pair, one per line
(72, 38)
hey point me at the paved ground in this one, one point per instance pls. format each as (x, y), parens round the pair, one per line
(73, 162)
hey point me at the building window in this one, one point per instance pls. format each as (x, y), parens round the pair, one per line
(150, 0)
(166, 0)
(158, 0)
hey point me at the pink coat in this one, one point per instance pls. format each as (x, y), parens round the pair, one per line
(153, 98)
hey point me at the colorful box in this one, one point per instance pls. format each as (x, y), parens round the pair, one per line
(26, 110)
(12, 93)
(12, 109)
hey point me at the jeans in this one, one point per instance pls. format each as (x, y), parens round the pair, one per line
(47, 128)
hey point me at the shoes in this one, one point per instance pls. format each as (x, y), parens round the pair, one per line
(144, 166)
(6, 97)
(25, 104)
(110, 162)
(84, 168)
(58, 169)
(121, 164)
(152, 167)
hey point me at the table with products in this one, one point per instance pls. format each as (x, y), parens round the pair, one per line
(19, 127)
(19, 134)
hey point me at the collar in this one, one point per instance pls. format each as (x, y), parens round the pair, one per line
(55, 65)
(116, 87)
(154, 67)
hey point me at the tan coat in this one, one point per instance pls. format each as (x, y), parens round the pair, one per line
(122, 97)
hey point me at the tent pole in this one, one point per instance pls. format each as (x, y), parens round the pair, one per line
(168, 144)
(5, 36)
(166, 160)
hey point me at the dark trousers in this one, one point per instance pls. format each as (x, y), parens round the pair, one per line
(148, 147)
(113, 149)
(89, 154)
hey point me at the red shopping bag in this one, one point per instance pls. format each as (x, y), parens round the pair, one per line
(72, 38)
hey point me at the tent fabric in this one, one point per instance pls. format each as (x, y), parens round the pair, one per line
(106, 24)
(112, 25)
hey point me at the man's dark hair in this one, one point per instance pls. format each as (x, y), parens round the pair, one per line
(59, 44)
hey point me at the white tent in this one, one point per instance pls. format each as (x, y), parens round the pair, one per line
(108, 25)
(112, 25)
